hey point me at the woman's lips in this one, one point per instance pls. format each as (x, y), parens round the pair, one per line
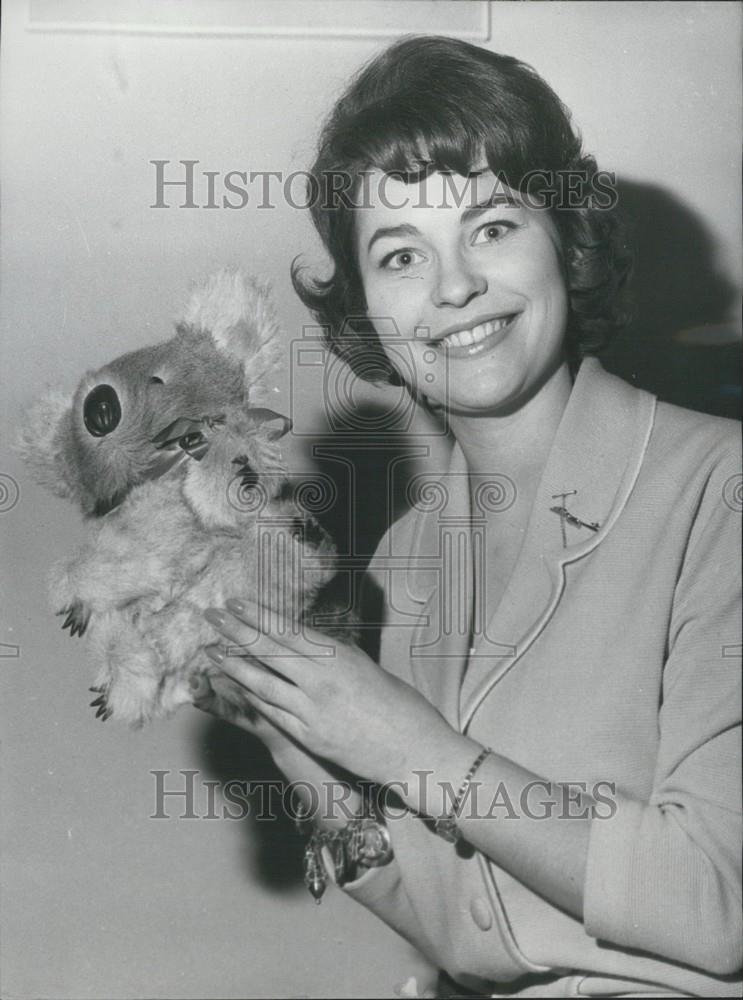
(478, 339)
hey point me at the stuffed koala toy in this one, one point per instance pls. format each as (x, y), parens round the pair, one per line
(176, 466)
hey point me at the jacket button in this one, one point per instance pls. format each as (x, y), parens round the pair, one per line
(481, 914)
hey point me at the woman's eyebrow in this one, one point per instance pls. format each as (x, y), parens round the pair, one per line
(404, 229)
(496, 198)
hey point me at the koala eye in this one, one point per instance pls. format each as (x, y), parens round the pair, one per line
(101, 410)
(156, 380)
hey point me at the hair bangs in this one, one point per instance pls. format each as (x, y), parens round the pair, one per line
(410, 140)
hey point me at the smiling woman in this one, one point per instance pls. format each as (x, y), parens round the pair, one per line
(489, 299)
(489, 118)
(556, 660)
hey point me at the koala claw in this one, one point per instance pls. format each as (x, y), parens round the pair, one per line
(103, 712)
(77, 618)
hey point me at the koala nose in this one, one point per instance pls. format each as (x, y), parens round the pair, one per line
(101, 410)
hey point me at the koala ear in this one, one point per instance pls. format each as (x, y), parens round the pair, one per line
(238, 313)
(262, 415)
(45, 444)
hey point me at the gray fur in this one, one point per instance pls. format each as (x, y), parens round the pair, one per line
(189, 539)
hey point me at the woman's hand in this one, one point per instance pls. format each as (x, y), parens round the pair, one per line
(215, 695)
(346, 708)
(329, 697)
(327, 797)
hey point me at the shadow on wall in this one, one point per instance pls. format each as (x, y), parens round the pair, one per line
(357, 518)
(682, 344)
(272, 847)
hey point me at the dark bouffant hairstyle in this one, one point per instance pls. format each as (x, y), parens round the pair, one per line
(430, 103)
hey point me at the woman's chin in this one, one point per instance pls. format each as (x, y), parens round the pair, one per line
(487, 400)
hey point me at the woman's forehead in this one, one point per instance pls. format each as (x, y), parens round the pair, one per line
(384, 202)
(381, 191)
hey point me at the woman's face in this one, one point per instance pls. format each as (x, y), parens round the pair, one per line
(465, 286)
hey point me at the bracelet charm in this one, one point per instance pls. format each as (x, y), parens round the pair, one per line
(375, 846)
(364, 842)
(315, 876)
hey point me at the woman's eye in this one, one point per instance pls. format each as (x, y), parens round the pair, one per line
(491, 232)
(401, 260)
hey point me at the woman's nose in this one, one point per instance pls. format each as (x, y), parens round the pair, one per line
(457, 284)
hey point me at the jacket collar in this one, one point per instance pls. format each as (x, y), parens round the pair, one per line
(597, 451)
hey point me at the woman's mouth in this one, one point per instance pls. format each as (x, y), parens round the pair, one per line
(476, 339)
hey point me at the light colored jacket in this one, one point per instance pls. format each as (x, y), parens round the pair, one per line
(613, 656)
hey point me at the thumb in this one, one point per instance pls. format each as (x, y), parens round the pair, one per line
(202, 693)
(220, 697)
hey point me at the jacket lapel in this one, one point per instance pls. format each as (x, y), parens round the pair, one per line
(597, 452)
(440, 576)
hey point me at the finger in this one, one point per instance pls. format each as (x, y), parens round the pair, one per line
(245, 640)
(270, 687)
(221, 698)
(297, 637)
(283, 720)
(205, 697)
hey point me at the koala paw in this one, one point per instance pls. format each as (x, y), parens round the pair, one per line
(309, 529)
(103, 712)
(249, 477)
(78, 616)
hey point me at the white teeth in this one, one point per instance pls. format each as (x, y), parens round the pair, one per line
(463, 338)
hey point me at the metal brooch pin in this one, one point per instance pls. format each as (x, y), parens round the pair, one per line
(567, 517)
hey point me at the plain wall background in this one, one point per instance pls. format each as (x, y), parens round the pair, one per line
(98, 900)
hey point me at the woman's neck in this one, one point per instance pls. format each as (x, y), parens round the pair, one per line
(518, 442)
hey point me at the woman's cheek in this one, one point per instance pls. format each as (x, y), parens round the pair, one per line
(378, 298)
(394, 308)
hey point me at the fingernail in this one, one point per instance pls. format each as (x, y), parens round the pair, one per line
(200, 687)
(214, 653)
(215, 616)
(237, 606)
